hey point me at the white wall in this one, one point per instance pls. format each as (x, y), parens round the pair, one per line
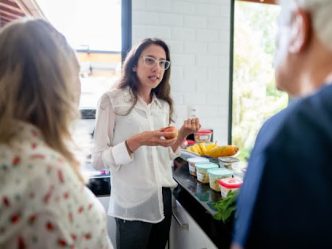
(198, 33)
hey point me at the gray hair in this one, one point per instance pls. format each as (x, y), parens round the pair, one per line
(321, 16)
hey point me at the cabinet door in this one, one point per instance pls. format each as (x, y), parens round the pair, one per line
(186, 233)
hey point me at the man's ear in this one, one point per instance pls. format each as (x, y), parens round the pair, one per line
(301, 31)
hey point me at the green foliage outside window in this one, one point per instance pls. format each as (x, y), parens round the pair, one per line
(255, 97)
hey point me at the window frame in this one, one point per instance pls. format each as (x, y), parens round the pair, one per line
(126, 27)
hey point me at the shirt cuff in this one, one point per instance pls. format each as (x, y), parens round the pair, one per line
(174, 154)
(121, 154)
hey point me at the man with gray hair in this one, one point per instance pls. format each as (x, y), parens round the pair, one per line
(286, 198)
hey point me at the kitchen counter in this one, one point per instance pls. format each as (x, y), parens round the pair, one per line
(202, 193)
(99, 181)
(198, 200)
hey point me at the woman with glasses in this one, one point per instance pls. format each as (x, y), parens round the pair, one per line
(130, 142)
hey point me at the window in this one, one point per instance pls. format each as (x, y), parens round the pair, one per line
(100, 33)
(254, 95)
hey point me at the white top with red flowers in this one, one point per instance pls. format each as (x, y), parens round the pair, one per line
(43, 204)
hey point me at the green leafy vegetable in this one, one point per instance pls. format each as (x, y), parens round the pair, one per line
(226, 206)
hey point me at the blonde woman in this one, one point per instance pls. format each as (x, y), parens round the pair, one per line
(43, 200)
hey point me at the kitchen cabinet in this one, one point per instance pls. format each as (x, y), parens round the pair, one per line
(185, 232)
(198, 199)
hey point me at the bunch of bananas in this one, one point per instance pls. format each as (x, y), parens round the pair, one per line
(213, 150)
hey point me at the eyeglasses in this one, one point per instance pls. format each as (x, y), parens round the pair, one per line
(151, 61)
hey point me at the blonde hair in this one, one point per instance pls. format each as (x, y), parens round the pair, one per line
(39, 83)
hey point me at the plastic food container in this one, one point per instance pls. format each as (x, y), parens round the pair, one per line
(192, 163)
(201, 171)
(228, 162)
(187, 143)
(229, 184)
(216, 174)
(203, 136)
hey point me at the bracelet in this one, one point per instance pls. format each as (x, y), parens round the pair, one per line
(129, 150)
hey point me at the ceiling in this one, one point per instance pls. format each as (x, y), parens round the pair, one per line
(14, 9)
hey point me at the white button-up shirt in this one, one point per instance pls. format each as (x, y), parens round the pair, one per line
(137, 179)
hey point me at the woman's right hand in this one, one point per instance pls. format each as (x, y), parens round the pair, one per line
(149, 138)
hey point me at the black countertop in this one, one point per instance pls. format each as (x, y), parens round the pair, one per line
(202, 193)
(198, 200)
(100, 185)
(99, 181)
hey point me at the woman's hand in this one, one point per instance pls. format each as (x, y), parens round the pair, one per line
(190, 125)
(155, 138)
(149, 138)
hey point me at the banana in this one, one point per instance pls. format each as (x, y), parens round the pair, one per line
(221, 151)
(195, 149)
(213, 150)
(210, 146)
(202, 148)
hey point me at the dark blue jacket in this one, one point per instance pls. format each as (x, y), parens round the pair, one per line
(286, 199)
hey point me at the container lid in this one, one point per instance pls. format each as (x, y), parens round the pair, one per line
(197, 159)
(206, 131)
(190, 142)
(220, 172)
(231, 182)
(228, 159)
(206, 165)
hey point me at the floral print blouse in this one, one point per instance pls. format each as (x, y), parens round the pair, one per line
(43, 204)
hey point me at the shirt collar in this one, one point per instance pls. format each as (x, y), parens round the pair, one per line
(156, 100)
